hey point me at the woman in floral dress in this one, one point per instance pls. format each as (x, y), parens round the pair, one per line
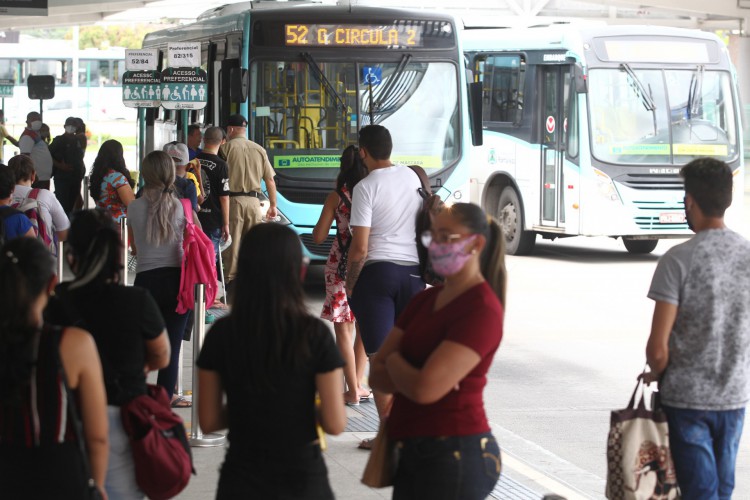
(336, 307)
(110, 184)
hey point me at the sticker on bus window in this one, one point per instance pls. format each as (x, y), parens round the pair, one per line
(422, 161)
(701, 149)
(306, 161)
(639, 149)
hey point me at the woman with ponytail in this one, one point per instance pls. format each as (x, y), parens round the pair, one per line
(130, 344)
(40, 455)
(435, 362)
(157, 224)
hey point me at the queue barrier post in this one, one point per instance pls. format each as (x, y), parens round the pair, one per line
(197, 437)
(60, 261)
(86, 192)
(124, 240)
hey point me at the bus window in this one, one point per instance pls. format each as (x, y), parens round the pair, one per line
(503, 79)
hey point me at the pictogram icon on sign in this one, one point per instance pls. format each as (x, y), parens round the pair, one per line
(550, 124)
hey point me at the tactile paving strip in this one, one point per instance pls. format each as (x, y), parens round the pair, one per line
(367, 421)
(505, 489)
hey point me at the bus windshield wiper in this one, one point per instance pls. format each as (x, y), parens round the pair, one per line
(640, 90)
(324, 82)
(695, 93)
(384, 100)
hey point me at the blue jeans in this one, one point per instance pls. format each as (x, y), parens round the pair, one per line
(382, 292)
(704, 450)
(215, 236)
(447, 468)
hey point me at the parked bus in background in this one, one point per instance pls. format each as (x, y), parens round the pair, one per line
(87, 82)
(585, 129)
(308, 77)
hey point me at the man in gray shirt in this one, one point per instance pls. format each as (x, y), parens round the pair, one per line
(699, 348)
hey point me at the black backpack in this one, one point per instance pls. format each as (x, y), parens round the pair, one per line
(431, 204)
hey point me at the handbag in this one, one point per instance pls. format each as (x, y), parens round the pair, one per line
(381, 465)
(161, 452)
(639, 461)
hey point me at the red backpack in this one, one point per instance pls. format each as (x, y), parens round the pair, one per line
(198, 264)
(161, 452)
(30, 207)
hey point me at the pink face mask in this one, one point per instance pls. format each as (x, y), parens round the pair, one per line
(449, 258)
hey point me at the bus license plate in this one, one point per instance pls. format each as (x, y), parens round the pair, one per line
(672, 218)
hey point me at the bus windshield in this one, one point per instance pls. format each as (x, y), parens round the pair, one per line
(656, 116)
(306, 112)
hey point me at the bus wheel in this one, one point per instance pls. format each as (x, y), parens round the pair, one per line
(517, 240)
(639, 246)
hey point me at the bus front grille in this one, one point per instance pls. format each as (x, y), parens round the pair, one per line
(320, 250)
(650, 214)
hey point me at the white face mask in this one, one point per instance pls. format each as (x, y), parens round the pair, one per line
(36, 125)
(70, 129)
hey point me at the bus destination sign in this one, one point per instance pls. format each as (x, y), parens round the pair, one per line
(354, 35)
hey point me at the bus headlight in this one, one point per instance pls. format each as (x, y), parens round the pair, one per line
(605, 186)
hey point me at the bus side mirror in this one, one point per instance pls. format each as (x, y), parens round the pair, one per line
(239, 80)
(475, 113)
(579, 79)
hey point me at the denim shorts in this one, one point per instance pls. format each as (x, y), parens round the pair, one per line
(447, 468)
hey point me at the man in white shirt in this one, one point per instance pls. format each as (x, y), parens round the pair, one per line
(31, 143)
(51, 211)
(383, 267)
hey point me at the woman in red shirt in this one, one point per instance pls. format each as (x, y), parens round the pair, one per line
(435, 362)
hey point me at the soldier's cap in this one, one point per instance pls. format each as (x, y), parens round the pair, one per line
(178, 152)
(237, 120)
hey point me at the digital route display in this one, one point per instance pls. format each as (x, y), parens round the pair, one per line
(351, 35)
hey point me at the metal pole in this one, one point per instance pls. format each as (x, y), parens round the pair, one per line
(197, 438)
(86, 192)
(224, 297)
(60, 262)
(180, 388)
(124, 239)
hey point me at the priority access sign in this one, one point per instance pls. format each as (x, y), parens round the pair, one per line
(141, 89)
(6, 87)
(184, 88)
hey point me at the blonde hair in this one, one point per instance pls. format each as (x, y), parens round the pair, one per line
(158, 173)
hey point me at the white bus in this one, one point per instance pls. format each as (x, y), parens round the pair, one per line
(585, 128)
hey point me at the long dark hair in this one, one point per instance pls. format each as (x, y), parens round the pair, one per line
(492, 259)
(352, 169)
(110, 157)
(270, 324)
(26, 268)
(95, 246)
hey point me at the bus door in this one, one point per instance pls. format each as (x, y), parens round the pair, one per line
(555, 83)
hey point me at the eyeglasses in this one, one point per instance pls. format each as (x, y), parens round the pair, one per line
(428, 237)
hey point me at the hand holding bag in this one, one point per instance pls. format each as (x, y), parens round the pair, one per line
(639, 461)
(381, 466)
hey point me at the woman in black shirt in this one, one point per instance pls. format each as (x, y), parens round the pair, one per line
(269, 357)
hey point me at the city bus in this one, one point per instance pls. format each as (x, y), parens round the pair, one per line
(585, 128)
(308, 77)
(87, 82)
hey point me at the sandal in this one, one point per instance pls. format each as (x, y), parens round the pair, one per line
(181, 402)
(366, 444)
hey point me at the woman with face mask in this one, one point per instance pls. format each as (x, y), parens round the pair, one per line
(435, 362)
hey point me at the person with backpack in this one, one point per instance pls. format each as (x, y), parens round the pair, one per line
(67, 156)
(383, 267)
(110, 183)
(336, 308)
(156, 225)
(40, 205)
(32, 143)
(53, 407)
(13, 222)
(129, 348)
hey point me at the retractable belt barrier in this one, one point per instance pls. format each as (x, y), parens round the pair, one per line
(60, 261)
(86, 192)
(197, 438)
(124, 239)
